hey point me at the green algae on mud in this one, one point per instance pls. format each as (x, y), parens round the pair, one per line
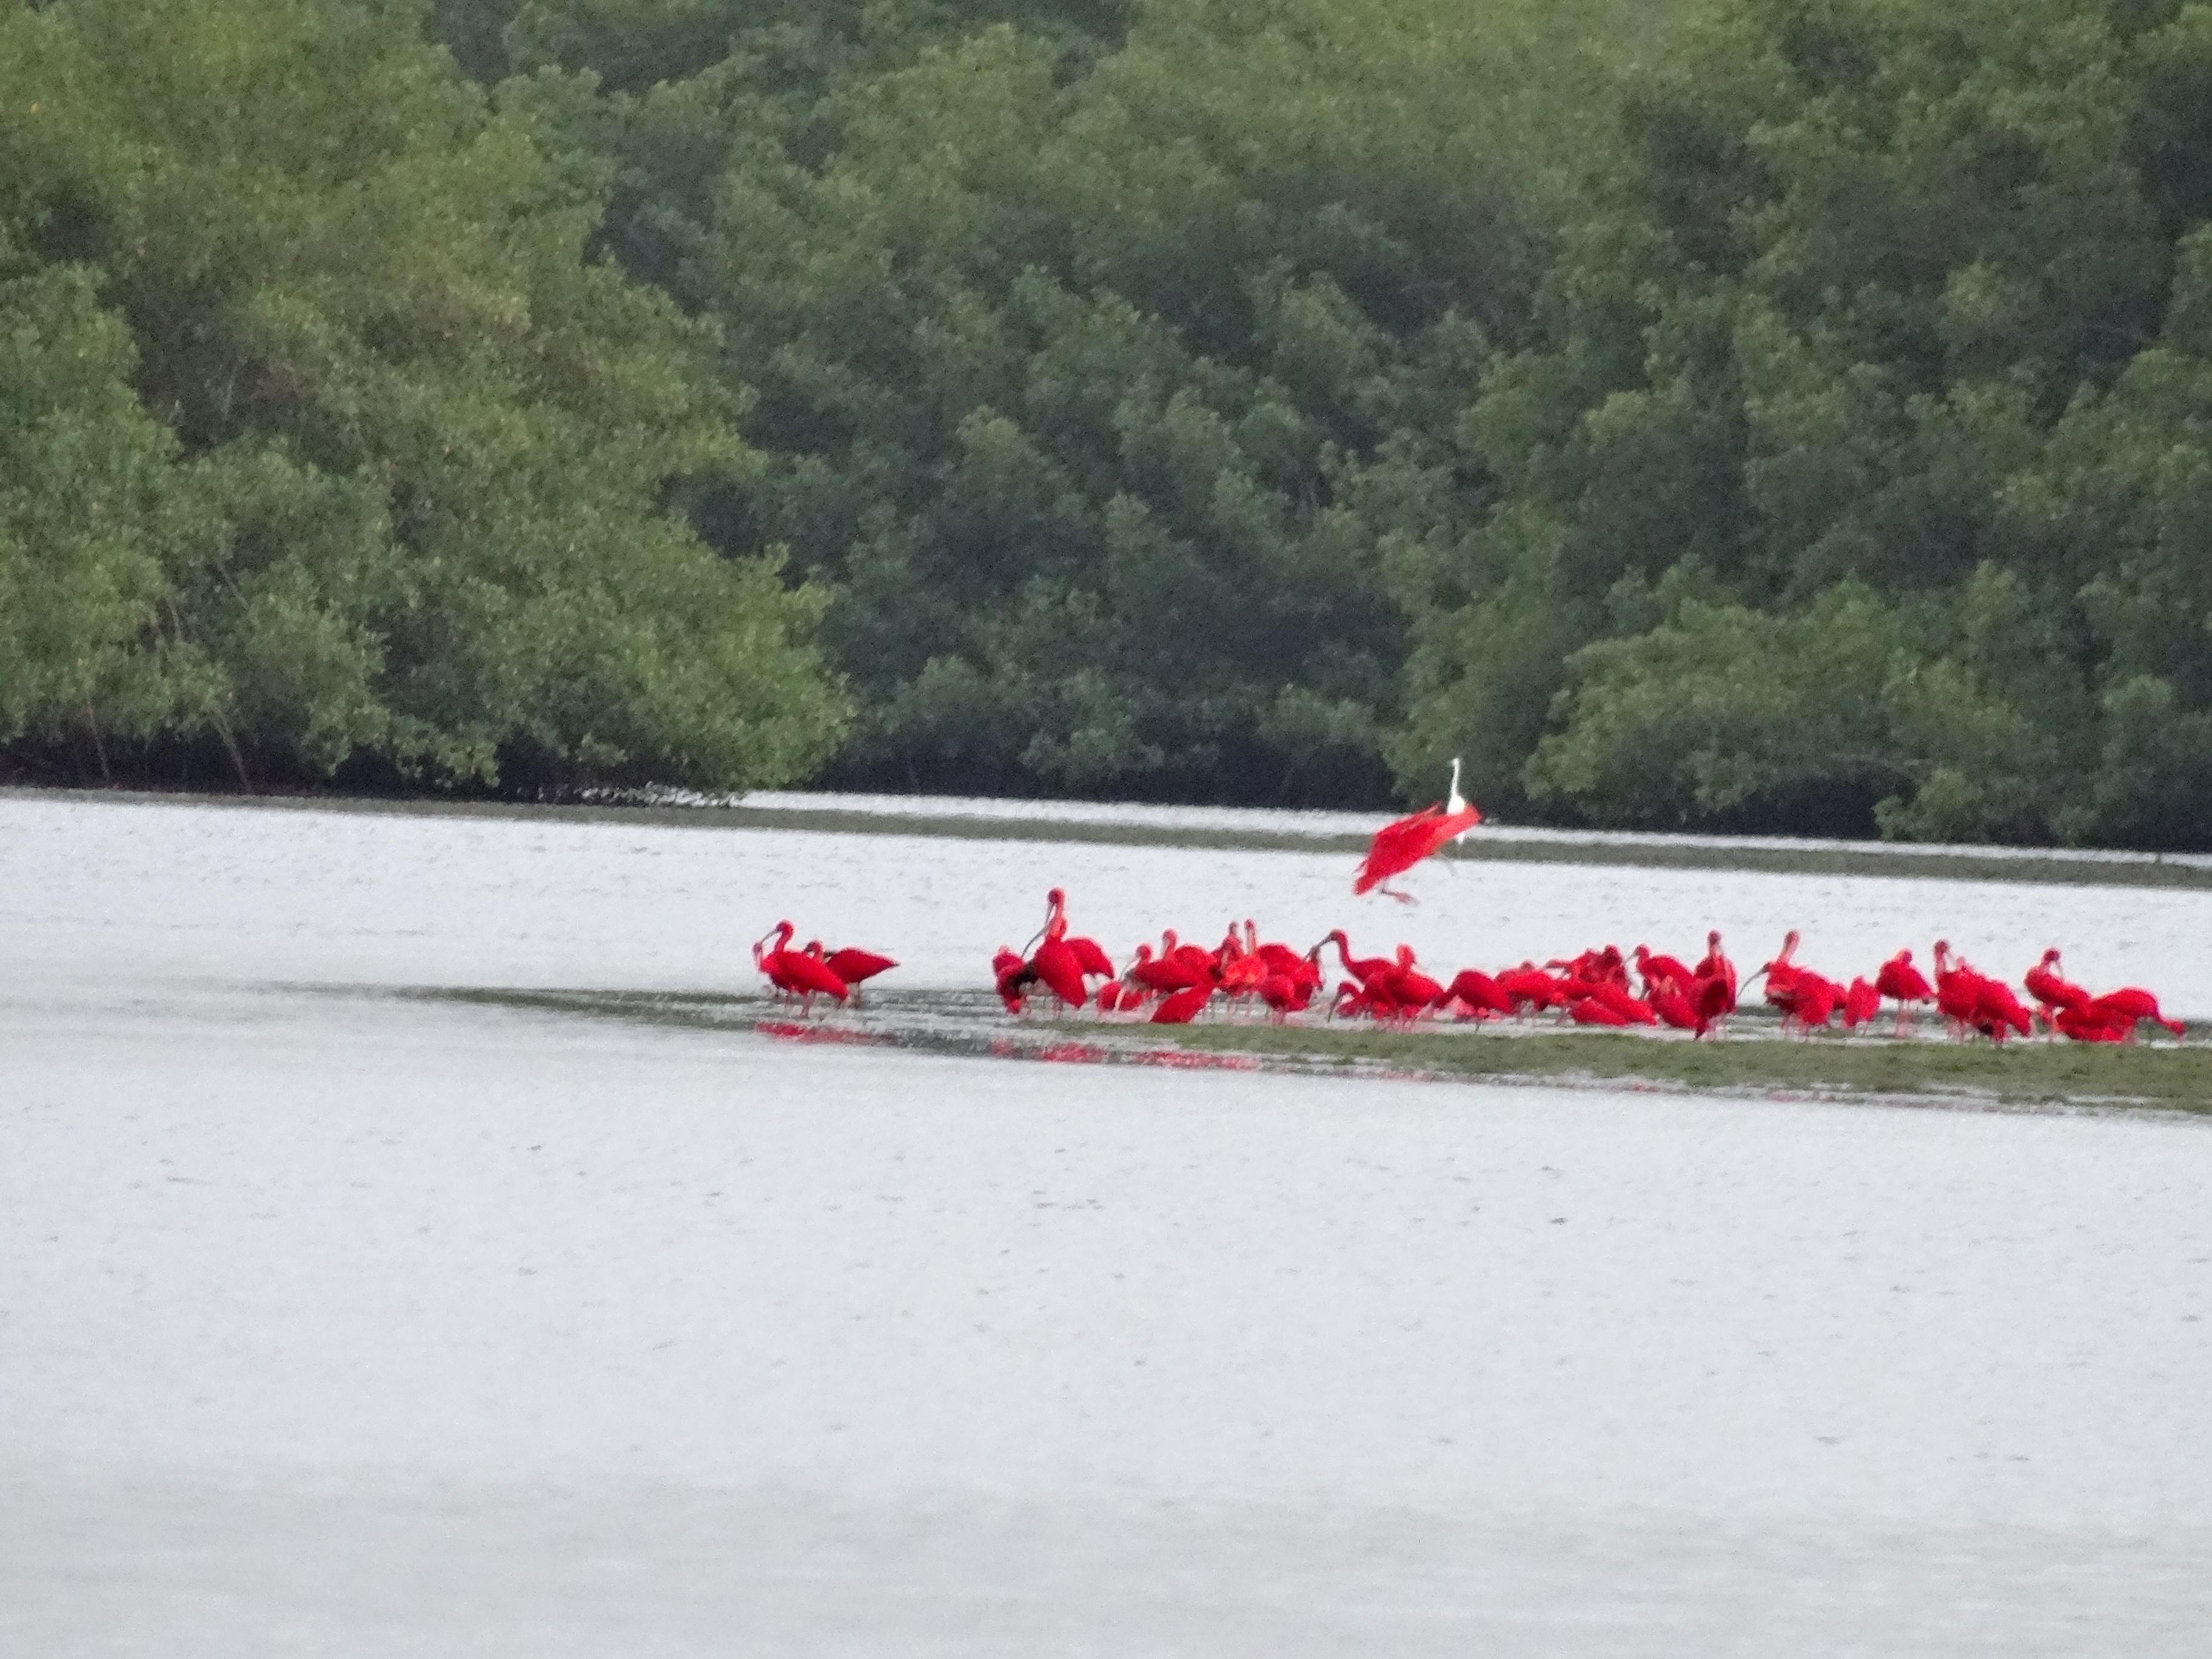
(2168, 1076)
(2165, 1077)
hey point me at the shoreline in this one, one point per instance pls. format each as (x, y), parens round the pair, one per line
(1487, 844)
(2163, 1079)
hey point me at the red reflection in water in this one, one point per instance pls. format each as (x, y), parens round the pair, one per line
(1182, 1061)
(792, 1031)
(1080, 1053)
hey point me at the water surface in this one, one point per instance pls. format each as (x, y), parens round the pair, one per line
(336, 1322)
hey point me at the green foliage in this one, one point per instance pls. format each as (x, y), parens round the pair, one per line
(325, 442)
(1894, 328)
(88, 499)
(1092, 345)
(1752, 413)
(1722, 705)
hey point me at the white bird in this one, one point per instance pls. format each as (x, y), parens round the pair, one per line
(1455, 802)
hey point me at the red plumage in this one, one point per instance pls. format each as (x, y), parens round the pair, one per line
(1404, 842)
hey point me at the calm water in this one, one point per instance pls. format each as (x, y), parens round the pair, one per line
(168, 893)
(333, 1323)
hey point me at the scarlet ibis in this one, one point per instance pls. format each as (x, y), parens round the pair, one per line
(1671, 1002)
(1181, 1008)
(1955, 989)
(1013, 977)
(1813, 999)
(1714, 964)
(1903, 984)
(1412, 988)
(2044, 985)
(1589, 1010)
(1598, 963)
(1973, 1001)
(1062, 962)
(1713, 996)
(2086, 1025)
(1996, 1008)
(1616, 997)
(1054, 962)
(856, 966)
(1478, 993)
(770, 961)
(795, 973)
(2132, 1003)
(1285, 996)
(1782, 976)
(1654, 970)
(1404, 842)
(1361, 968)
(1861, 1002)
(1532, 988)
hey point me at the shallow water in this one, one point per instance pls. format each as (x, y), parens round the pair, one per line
(181, 891)
(334, 1322)
(1280, 822)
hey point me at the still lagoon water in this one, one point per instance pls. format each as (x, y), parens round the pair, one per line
(334, 1321)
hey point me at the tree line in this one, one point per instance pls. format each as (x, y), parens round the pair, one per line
(1738, 414)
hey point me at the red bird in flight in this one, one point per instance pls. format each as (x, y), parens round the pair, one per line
(1401, 844)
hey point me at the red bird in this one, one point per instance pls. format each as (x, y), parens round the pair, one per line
(1589, 1010)
(1412, 988)
(1169, 974)
(2130, 1003)
(1996, 1007)
(2044, 985)
(795, 972)
(770, 961)
(1672, 1003)
(1531, 987)
(1782, 977)
(1013, 977)
(1287, 994)
(855, 966)
(1362, 968)
(1974, 1001)
(1063, 964)
(1616, 997)
(1181, 1008)
(1715, 963)
(1861, 1002)
(1400, 845)
(1055, 963)
(1713, 987)
(1353, 998)
(1598, 965)
(1478, 994)
(1955, 996)
(1714, 998)
(1903, 984)
(2085, 1024)
(1814, 998)
(1657, 970)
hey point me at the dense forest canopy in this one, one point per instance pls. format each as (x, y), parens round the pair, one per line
(324, 449)
(1861, 465)
(1740, 414)
(1093, 351)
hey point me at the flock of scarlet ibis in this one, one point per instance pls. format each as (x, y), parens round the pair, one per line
(812, 972)
(1177, 982)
